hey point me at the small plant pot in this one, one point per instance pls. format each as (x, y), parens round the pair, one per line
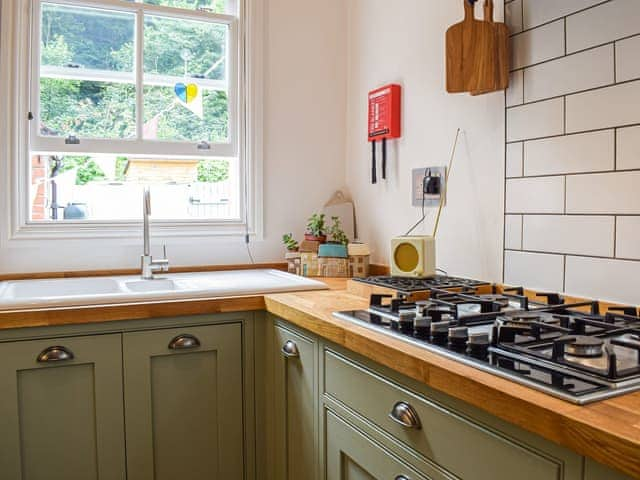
(293, 250)
(313, 238)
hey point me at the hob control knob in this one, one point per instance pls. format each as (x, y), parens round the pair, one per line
(478, 344)
(458, 336)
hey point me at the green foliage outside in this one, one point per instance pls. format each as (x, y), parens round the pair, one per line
(92, 39)
(87, 169)
(212, 171)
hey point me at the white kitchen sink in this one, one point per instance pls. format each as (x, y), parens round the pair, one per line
(156, 285)
(60, 287)
(21, 294)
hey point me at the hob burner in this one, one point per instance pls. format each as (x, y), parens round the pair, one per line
(581, 346)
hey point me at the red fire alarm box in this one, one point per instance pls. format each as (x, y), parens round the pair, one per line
(384, 112)
(384, 122)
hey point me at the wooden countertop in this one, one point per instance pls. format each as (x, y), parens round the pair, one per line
(607, 431)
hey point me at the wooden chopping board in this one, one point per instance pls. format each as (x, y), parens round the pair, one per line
(471, 54)
(501, 32)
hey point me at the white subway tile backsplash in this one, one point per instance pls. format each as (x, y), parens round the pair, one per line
(535, 195)
(579, 235)
(513, 232)
(513, 16)
(586, 152)
(540, 119)
(605, 279)
(628, 148)
(515, 92)
(628, 238)
(627, 59)
(604, 193)
(535, 271)
(581, 71)
(604, 108)
(537, 12)
(514, 160)
(572, 206)
(602, 24)
(537, 45)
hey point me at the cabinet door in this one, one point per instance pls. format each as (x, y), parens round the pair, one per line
(351, 455)
(183, 403)
(295, 400)
(61, 413)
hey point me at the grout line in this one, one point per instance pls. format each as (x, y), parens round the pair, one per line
(615, 62)
(573, 93)
(615, 149)
(564, 113)
(560, 214)
(615, 237)
(575, 174)
(576, 52)
(564, 26)
(578, 255)
(580, 132)
(544, 24)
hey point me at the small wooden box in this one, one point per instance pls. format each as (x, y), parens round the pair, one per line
(359, 266)
(333, 267)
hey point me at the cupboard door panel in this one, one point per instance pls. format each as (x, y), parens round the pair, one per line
(295, 398)
(184, 404)
(62, 418)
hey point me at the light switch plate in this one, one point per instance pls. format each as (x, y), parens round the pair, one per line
(417, 176)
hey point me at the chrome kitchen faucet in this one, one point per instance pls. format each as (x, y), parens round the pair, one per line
(149, 265)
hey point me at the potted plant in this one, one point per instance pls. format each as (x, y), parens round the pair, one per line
(290, 242)
(316, 228)
(337, 233)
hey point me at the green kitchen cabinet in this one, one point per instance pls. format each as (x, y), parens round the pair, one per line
(351, 455)
(183, 393)
(61, 414)
(295, 405)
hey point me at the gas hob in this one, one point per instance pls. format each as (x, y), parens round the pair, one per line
(570, 351)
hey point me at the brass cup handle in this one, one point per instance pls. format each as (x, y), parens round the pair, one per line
(55, 354)
(404, 414)
(184, 342)
(290, 349)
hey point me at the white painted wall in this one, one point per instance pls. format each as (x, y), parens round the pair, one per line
(403, 42)
(304, 122)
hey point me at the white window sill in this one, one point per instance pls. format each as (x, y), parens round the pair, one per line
(100, 230)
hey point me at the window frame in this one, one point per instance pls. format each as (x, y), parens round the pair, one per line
(17, 36)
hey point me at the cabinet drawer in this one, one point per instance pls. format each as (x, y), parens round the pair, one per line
(452, 441)
(353, 456)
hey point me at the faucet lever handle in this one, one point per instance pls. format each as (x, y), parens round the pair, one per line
(164, 250)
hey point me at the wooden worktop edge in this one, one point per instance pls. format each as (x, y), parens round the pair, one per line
(48, 317)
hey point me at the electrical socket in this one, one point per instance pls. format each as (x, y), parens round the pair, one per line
(417, 183)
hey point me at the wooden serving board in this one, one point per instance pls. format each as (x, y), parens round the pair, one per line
(471, 54)
(501, 32)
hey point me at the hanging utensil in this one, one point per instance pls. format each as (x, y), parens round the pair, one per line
(501, 32)
(471, 54)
